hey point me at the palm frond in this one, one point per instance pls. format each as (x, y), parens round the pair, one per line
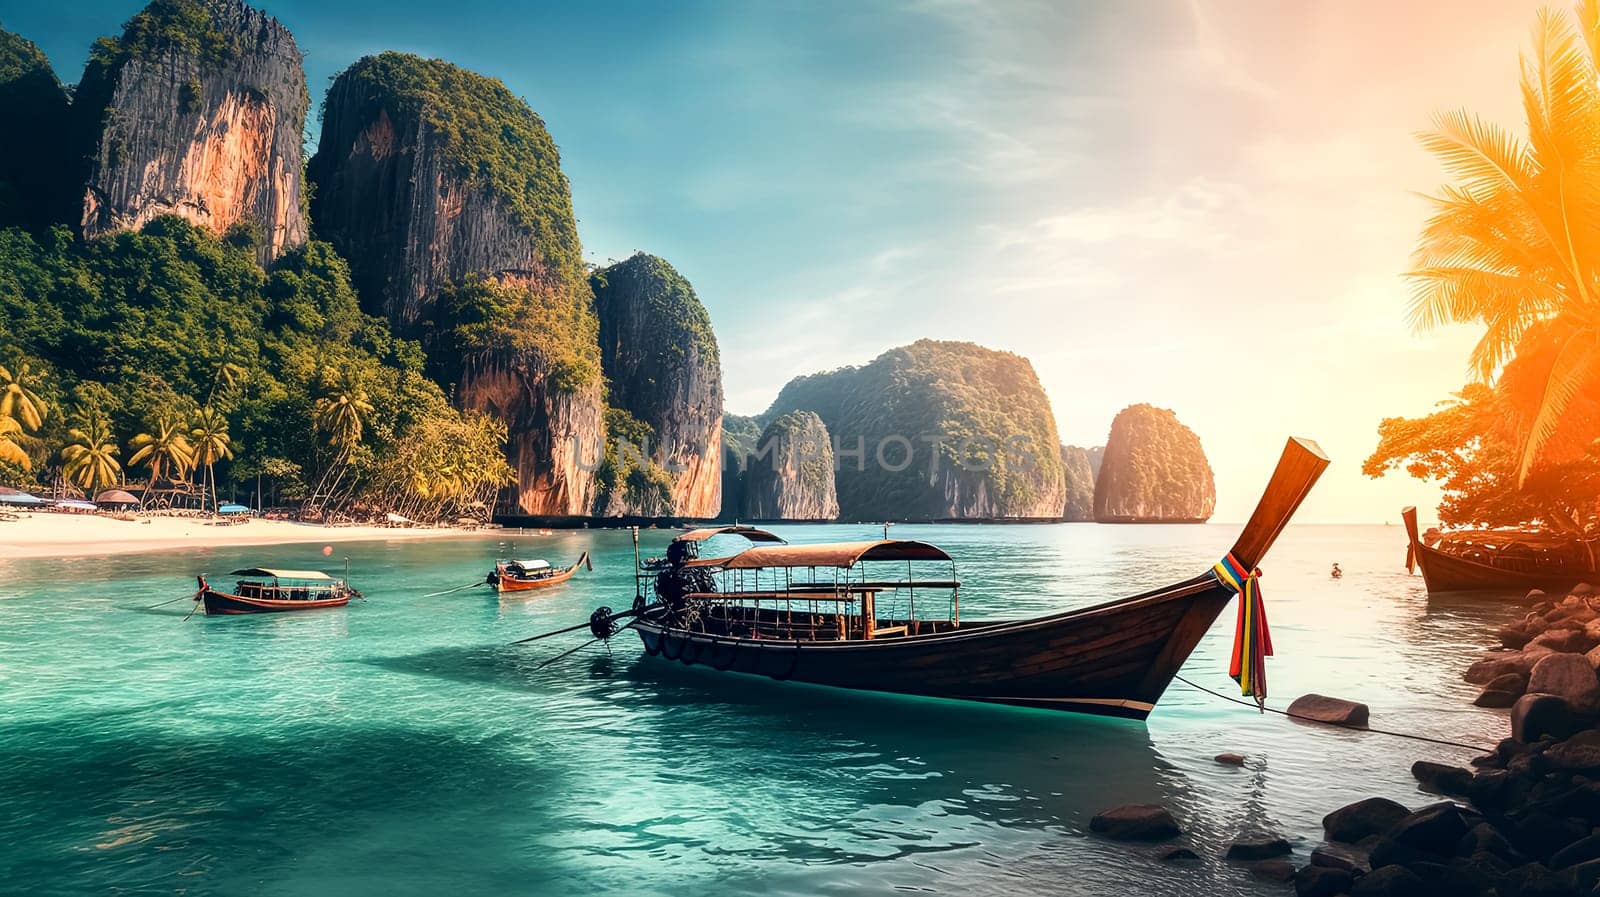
(1484, 156)
(1576, 367)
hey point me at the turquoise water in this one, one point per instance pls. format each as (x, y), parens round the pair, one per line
(401, 747)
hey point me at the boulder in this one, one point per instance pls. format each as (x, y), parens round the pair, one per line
(1261, 847)
(1582, 590)
(1323, 709)
(1390, 881)
(1535, 596)
(1321, 881)
(1514, 637)
(1580, 752)
(1585, 876)
(1536, 715)
(1563, 641)
(1230, 759)
(1583, 850)
(1483, 838)
(1533, 880)
(1568, 676)
(1502, 691)
(1541, 835)
(1496, 790)
(1442, 778)
(1347, 857)
(1594, 658)
(1435, 829)
(1499, 663)
(1136, 822)
(1273, 870)
(1362, 819)
(1179, 855)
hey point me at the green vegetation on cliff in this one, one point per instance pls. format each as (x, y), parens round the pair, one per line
(488, 315)
(492, 138)
(981, 410)
(136, 328)
(1079, 471)
(188, 26)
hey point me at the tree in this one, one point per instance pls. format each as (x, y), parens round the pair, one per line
(342, 414)
(18, 396)
(90, 456)
(10, 451)
(1516, 241)
(211, 444)
(165, 449)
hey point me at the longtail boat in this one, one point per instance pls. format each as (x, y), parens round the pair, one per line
(263, 591)
(1498, 560)
(845, 615)
(524, 576)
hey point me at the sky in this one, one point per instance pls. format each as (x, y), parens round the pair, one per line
(1207, 206)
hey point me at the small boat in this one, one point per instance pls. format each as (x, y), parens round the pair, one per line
(1498, 560)
(264, 591)
(845, 615)
(524, 576)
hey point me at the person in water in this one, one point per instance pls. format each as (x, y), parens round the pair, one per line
(1336, 573)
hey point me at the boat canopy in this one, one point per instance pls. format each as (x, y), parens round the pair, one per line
(233, 509)
(313, 575)
(530, 565)
(842, 555)
(749, 532)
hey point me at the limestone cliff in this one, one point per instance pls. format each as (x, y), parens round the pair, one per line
(740, 435)
(445, 192)
(793, 478)
(937, 430)
(661, 362)
(1154, 471)
(195, 111)
(1079, 473)
(36, 171)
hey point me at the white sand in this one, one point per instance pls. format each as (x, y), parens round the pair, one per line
(49, 535)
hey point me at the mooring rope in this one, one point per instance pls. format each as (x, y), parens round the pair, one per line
(1406, 735)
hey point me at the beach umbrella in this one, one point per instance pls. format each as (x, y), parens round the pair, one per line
(78, 505)
(115, 497)
(17, 497)
(233, 509)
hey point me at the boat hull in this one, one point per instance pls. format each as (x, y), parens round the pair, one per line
(1443, 574)
(1113, 660)
(223, 604)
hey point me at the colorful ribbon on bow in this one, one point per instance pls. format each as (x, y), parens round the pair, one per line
(1252, 641)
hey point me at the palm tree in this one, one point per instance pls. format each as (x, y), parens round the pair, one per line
(91, 453)
(18, 398)
(165, 449)
(342, 413)
(10, 451)
(1515, 242)
(211, 444)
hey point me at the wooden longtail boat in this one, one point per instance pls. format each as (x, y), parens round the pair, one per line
(1510, 561)
(810, 613)
(524, 576)
(264, 591)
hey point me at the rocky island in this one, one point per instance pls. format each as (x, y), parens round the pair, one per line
(1153, 471)
(795, 480)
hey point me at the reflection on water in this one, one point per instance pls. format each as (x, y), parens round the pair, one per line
(401, 746)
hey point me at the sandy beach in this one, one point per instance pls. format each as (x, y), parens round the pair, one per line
(49, 535)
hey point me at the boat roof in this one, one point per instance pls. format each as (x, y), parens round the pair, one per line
(706, 532)
(530, 565)
(281, 574)
(842, 555)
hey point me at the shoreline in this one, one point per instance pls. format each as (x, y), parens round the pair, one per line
(44, 535)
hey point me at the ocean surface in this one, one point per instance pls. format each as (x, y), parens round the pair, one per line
(401, 746)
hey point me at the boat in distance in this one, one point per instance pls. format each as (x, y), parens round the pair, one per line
(524, 576)
(261, 590)
(1490, 560)
(815, 614)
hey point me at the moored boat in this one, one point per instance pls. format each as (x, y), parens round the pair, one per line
(261, 590)
(1498, 560)
(843, 615)
(524, 576)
